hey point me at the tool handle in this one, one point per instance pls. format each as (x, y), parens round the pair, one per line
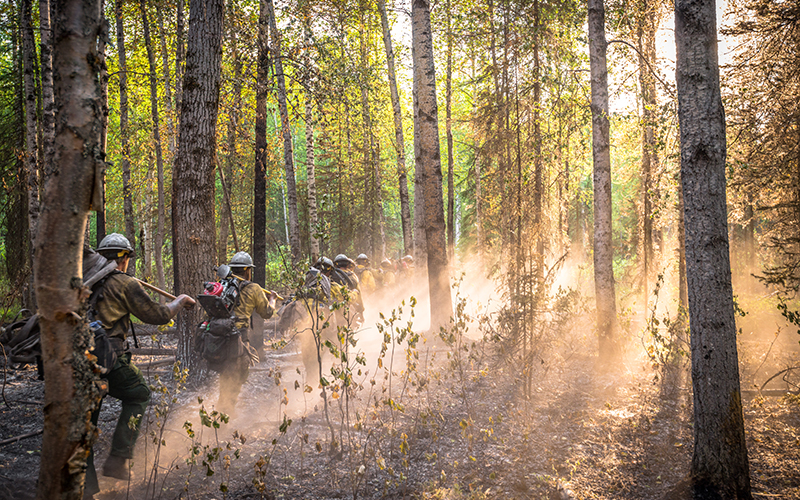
(155, 289)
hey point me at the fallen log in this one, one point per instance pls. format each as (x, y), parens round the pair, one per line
(21, 436)
(153, 351)
(153, 364)
(770, 392)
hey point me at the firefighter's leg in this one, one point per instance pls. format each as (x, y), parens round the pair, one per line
(126, 383)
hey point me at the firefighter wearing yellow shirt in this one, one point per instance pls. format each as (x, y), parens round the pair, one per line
(365, 276)
(252, 298)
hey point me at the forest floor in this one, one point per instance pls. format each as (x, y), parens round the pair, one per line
(454, 427)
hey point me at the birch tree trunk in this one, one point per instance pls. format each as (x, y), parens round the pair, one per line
(426, 127)
(125, 164)
(100, 209)
(288, 153)
(157, 143)
(420, 244)
(400, 146)
(193, 183)
(719, 462)
(48, 102)
(31, 147)
(260, 167)
(451, 205)
(70, 391)
(603, 247)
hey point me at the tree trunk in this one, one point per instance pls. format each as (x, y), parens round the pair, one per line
(260, 167)
(719, 462)
(148, 223)
(156, 142)
(232, 158)
(400, 146)
(313, 220)
(646, 27)
(477, 159)
(48, 103)
(100, 210)
(420, 245)
(179, 57)
(288, 153)
(167, 87)
(451, 228)
(538, 176)
(31, 147)
(125, 164)
(70, 391)
(193, 174)
(18, 245)
(603, 247)
(371, 160)
(683, 294)
(426, 127)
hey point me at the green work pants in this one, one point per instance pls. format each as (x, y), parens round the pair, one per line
(126, 383)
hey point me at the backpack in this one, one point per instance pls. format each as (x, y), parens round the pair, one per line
(103, 350)
(97, 270)
(22, 338)
(218, 340)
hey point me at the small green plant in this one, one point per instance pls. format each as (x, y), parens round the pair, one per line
(214, 455)
(165, 401)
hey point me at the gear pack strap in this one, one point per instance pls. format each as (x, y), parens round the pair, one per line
(97, 292)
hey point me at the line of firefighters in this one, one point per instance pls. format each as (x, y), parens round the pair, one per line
(358, 277)
(120, 295)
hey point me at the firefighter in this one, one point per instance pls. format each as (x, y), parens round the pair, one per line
(365, 276)
(252, 298)
(387, 271)
(345, 267)
(119, 297)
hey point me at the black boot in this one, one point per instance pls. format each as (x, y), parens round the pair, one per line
(117, 467)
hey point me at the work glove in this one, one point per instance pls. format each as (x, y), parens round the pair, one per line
(252, 354)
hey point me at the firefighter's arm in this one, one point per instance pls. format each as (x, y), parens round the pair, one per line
(138, 303)
(262, 302)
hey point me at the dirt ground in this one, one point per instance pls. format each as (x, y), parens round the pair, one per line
(453, 427)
